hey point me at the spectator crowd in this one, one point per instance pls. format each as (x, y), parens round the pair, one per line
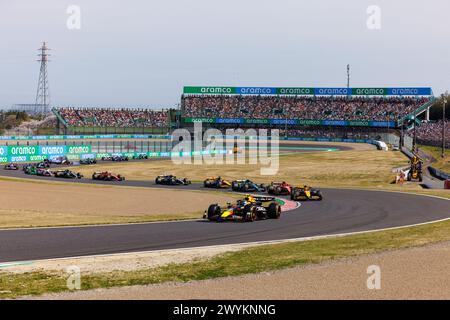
(98, 117)
(430, 133)
(300, 107)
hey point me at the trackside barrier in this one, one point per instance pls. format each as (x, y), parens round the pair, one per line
(39, 153)
(93, 136)
(18, 154)
(167, 137)
(370, 141)
(439, 173)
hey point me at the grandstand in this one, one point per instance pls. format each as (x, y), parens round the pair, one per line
(301, 107)
(341, 113)
(430, 133)
(308, 112)
(110, 120)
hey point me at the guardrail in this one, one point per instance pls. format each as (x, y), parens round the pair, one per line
(439, 173)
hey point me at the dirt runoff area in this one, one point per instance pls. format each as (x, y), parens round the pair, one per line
(33, 204)
(416, 273)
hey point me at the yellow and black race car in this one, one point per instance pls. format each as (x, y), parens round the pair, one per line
(303, 193)
(247, 210)
(216, 182)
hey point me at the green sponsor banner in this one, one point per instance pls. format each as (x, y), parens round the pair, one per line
(102, 154)
(132, 154)
(295, 91)
(309, 122)
(369, 91)
(73, 157)
(153, 154)
(209, 90)
(257, 121)
(23, 150)
(79, 149)
(207, 120)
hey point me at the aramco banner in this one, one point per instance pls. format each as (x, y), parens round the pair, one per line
(300, 91)
(295, 122)
(39, 153)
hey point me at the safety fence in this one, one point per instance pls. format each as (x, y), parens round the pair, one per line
(86, 137)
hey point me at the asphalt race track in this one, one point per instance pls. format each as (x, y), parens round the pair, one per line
(341, 211)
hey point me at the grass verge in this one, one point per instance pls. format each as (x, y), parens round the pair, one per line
(322, 169)
(253, 260)
(436, 152)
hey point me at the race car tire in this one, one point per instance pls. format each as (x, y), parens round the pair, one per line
(274, 211)
(318, 194)
(250, 215)
(213, 211)
(278, 190)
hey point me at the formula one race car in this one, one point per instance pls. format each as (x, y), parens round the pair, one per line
(107, 176)
(214, 182)
(140, 156)
(42, 165)
(88, 161)
(67, 174)
(247, 210)
(171, 180)
(306, 193)
(11, 166)
(43, 172)
(247, 185)
(60, 160)
(30, 169)
(117, 158)
(279, 188)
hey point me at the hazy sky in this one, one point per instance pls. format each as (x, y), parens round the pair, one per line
(142, 52)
